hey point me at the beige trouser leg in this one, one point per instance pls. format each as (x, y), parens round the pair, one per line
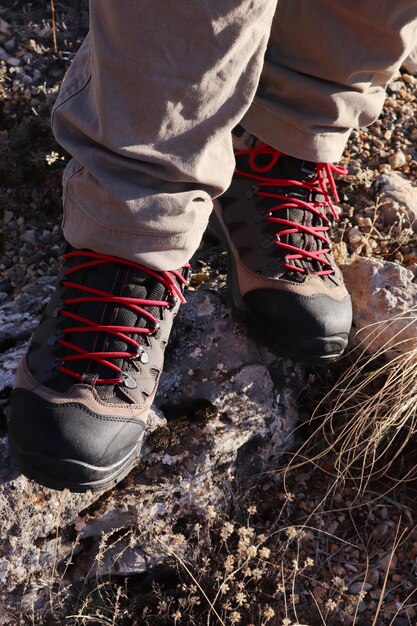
(326, 68)
(147, 107)
(147, 110)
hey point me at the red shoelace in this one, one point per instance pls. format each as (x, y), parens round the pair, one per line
(325, 172)
(122, 332)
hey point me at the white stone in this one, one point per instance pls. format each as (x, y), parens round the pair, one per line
(384, 299)
(397, 160)
(398, 195)
(356, 237)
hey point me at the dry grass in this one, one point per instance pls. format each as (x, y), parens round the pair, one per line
(369, 416)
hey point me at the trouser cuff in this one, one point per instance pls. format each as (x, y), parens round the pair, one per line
(319, 148)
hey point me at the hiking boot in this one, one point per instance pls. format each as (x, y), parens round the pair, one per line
(83, 391)
(284, 282)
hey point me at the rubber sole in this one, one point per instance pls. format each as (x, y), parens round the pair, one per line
(315, 350)
(30, 463)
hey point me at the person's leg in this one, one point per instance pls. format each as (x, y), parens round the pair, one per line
(326, 68)
(325, 72)
(146, 111)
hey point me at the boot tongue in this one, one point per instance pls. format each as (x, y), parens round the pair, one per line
(296, 169)
(287, 166)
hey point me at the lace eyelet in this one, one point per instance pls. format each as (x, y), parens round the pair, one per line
(156, 331)
(144, 357)
(128, 381)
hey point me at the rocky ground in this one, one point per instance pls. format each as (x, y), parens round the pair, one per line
(217, 525)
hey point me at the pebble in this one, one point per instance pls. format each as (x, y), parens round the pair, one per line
(378, 143)
(353, 169)
(395, 86)
(10, 45)
(356, 237)
(409, 79)
(397, 160)
(4, 27)
(359, 586)
(13, 61)
(29, 236)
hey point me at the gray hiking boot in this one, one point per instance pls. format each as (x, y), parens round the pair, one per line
(83, 391)
(284, 282)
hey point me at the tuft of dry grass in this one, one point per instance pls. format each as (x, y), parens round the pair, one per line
(369, 416)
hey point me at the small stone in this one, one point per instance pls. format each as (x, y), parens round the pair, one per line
(4, 27)
(359, 586)
(28, 80)
(397, 160)
(399, 196)
(409, 79)
(353, 169)
(395, 86)
(373, 577)
(356, 237)
(29, 236)
(13, 61)
(378, 143)
(10, 45)
(384, 168)
(364, 222)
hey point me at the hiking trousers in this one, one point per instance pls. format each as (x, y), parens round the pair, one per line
(147, 107)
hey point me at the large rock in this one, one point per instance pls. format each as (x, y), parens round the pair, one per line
(384, 297)
(18, 320)
(399, 198)
(225, 409)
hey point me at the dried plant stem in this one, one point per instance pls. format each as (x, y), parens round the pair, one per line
(54, 26)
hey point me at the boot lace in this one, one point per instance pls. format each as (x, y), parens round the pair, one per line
(172, 280)
(324, 180)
